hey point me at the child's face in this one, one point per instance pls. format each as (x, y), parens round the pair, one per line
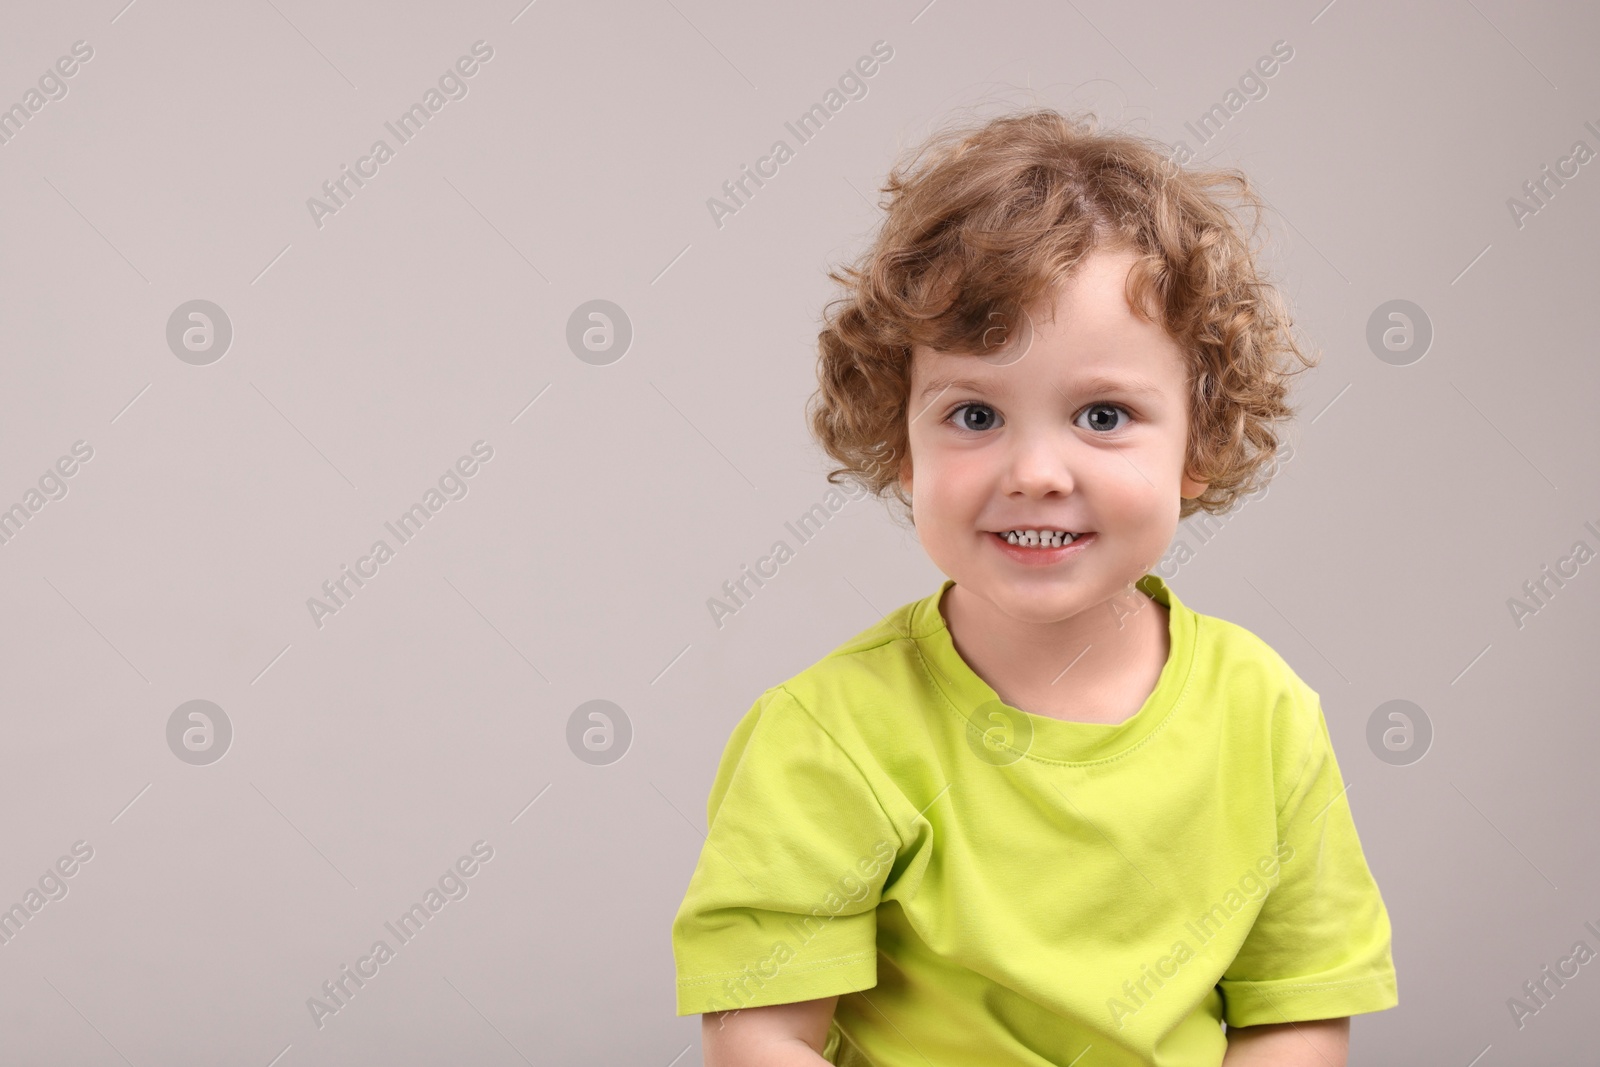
(1031, 443)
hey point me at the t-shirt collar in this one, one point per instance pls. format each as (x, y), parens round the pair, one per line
(1056, 740)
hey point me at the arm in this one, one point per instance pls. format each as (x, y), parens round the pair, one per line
(775, 1035)
(1314, 1043)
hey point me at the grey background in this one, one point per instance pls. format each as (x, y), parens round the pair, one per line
(431, 312)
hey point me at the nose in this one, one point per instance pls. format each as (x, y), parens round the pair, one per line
(1037, 463)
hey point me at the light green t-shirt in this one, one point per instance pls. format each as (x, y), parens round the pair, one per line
(983, 885)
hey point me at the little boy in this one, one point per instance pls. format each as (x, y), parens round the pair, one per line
(1048, 814)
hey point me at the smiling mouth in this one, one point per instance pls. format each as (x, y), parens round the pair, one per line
(1038, 538)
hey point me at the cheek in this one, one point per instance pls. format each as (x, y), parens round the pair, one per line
(954, 481)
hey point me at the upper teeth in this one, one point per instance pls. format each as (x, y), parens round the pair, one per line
(1040, 537)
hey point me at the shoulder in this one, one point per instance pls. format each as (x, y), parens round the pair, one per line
(1243, 658)
(1243, 662)
(1265, 696)
(871, 693)
(863, 668)
(827, 731)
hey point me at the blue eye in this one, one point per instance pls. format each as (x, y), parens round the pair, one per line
(973, 407)
(980, 417)
(1101, 422)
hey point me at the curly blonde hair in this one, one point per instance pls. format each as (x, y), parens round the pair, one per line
(994, 221)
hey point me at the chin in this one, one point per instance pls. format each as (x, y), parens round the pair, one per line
(1032, 600)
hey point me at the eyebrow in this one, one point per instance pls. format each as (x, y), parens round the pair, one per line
(1130, 386)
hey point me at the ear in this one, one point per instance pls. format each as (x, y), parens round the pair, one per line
(1188, 488)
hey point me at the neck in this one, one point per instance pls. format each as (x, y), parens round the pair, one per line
(1078, 665)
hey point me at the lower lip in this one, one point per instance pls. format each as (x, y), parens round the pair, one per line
(1041, 557)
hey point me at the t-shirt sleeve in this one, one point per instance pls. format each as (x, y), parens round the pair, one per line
(782, 903)
(1320, 947)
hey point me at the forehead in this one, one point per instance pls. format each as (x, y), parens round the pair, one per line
(991, 381)
(1086, 329)
(1141, 363)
